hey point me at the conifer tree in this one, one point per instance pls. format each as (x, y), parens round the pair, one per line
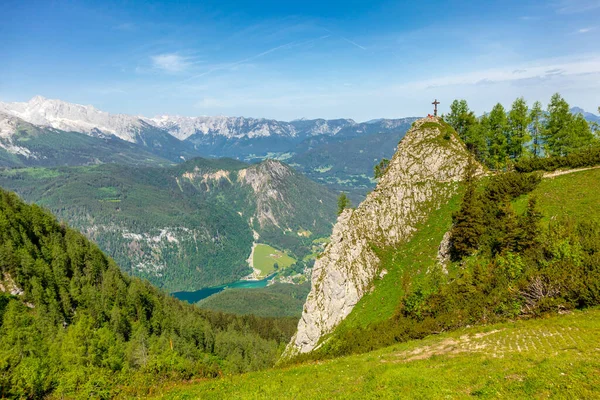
(518, 120)
(461, 119)
(343, 203)
(468, 225)
(497, 127)
(529, 223)
(556, 127)
(535, 116)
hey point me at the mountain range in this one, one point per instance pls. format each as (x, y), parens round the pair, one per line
(201, 135)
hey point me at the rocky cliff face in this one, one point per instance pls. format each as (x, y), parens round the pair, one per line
(422, 175)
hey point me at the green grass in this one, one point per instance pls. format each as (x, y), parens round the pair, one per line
(34, 173)
(266, 256)
(411, 258)
(576, 195)
(556, 357)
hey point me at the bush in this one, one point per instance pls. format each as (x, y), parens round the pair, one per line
(581, 159)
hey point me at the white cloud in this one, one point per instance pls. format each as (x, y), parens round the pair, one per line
(576, 6)
(170, 62)
(585, 30)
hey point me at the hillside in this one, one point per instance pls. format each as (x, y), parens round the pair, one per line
(184, 227)
(523, 274)
(73, 325)
(422, 176)
(554, 357)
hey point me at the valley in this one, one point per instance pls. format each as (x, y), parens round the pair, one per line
(299, 200)
(189, 226)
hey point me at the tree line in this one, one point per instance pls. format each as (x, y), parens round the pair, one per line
(501, 137)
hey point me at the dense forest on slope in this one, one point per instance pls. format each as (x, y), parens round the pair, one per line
(279, 300)
(188, 226)
(511, 256)
(73, 324)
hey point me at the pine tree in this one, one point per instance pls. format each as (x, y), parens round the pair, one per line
(343, 203)
(535, 116)
(530, 226)
(497, 127)
(380, 168)
(518, 121)
(467, 227)
(556, 127)
(461, 119)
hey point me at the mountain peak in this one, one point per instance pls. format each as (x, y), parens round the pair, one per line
(422, 175)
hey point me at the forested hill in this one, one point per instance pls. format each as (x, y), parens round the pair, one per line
(74, 325)
(187, 226)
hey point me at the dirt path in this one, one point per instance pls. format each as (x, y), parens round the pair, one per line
(568, 171)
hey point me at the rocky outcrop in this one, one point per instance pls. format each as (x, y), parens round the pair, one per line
(421, 176)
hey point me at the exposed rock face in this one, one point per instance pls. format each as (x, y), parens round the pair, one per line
(421, 176)
(266, 180)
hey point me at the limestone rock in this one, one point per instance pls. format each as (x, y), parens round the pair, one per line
(421, 176)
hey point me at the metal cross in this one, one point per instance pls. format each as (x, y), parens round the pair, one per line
(435, 103)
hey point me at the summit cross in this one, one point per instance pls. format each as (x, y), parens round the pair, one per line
(435, 104)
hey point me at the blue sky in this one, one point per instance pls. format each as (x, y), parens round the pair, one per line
(287, 59)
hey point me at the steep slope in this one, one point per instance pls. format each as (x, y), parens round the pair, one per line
(422, 175)
(189, 226)
(73, 325)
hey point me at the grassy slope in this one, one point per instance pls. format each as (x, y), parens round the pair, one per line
(555, 357)
(414, 257)
(266, 256)
(576, 195)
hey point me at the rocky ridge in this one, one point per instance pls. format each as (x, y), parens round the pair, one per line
(422, 175)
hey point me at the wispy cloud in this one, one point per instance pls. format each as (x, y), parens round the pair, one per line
(529, 18)
(289, 45)
(576, 6)
(585, 30)
(353, 43)
(171, 62)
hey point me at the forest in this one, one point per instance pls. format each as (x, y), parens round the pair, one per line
(501, 138)
(73, 324)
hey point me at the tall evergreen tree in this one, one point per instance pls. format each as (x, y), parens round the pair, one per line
(467, 227)
(535, 116)
(580, 134)
(465, 123)
(497, 127)
(343, 203)
(556, 127)
(518, 120)
(459, 117)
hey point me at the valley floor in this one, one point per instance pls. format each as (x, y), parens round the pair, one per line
(554, 357)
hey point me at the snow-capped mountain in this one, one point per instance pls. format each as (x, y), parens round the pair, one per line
(65, 116)
(171, 138)
(230, 127)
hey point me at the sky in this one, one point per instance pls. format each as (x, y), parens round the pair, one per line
(299, 59)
